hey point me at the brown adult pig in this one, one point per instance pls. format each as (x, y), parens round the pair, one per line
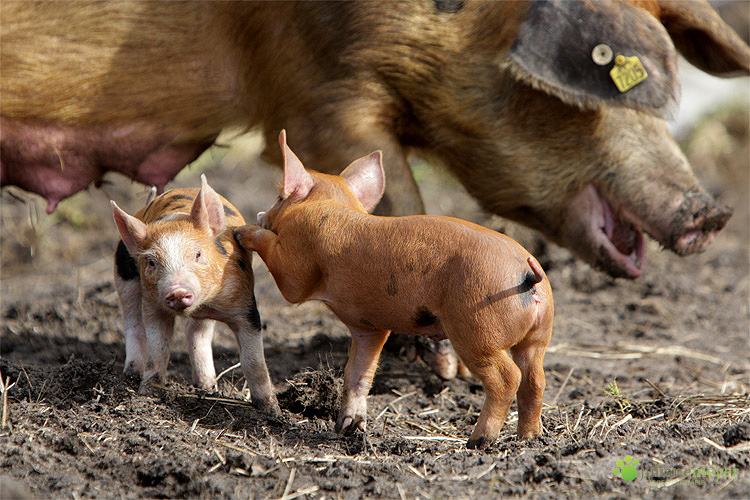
(426, 275)
(178, 257)
(510, 96)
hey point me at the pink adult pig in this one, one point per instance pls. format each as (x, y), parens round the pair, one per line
(178, 257)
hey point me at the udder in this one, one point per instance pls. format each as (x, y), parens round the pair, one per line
(58, 161)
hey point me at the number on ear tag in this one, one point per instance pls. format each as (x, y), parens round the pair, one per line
(627, 72)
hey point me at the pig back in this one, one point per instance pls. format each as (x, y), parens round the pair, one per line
(175, 202)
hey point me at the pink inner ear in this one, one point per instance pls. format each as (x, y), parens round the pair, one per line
(366, 179)
(297, 182)
(208, 210)
(214, 207)
(132, 231)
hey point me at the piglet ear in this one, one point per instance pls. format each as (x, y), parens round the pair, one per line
(132, 231)
(208, 210)
(297, 182)
(366, 179)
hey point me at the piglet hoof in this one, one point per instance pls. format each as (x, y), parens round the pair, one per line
(208, 385)
(442, 358)
(147, 384)
(479, 443)
(525, 434)
(348, 425)
(146, 387)
(269, 406)
(132, 379)
(463, 370)
(131, 371)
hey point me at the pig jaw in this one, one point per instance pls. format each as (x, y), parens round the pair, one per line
(613, 239)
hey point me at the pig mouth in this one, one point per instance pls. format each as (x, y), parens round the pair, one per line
(617, 243)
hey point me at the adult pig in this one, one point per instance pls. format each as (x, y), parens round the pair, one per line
(515, 98)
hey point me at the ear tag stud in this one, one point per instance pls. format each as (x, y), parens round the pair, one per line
(602, 54)
(627, 72)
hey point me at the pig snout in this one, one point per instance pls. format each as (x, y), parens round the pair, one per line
(179, 298)
(612, 238)
(695, 223)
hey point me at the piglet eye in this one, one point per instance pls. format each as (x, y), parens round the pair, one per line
(151, 263)
(197, 255)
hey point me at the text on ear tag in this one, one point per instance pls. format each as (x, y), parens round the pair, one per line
(627, 72)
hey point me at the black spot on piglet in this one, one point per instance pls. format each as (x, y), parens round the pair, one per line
(220, 247)
(423, 317)
(126, 267)
(253, 316)
(449, 6)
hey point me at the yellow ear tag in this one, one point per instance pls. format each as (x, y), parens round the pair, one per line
(627, 72)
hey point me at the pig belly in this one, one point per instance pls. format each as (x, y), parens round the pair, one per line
(58, 161)
(433, 333)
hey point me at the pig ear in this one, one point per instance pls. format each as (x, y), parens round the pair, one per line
(132, 230)
(208, 210)
(704, 38)
(297, 182)
(366, 179)
(554, 52)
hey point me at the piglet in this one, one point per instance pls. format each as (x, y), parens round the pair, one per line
(178, 257)
(437, 277)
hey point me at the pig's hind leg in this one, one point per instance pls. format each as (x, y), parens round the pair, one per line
(200, 334)
(529, 356)
(500, 378)
(128, 286)
(529, 359)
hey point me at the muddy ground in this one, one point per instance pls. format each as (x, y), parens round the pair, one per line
(654, 370)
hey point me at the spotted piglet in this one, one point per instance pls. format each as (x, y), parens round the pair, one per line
(178, 257)
(437, 277)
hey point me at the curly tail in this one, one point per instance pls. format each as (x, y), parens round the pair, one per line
(536, 269)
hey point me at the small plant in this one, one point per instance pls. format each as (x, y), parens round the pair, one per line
(621, 399)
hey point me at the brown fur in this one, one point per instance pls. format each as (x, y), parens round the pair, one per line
(145, 94)
(425, 275)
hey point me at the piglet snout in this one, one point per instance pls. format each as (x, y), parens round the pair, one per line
(179, 299)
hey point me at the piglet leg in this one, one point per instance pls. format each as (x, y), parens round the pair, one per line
(200, 334)
(159, 329)
(129, 292)
(529, 358)
(358, 374)
(255, 370)
(500, 377)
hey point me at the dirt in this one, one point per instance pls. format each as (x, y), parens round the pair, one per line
(653, 373)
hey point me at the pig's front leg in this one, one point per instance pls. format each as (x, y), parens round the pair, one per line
(245, 236)
(264, 242)
(360, 369)
(253, 361)
(294, 276)
(128, 286)
(159, 328)
(200, 334)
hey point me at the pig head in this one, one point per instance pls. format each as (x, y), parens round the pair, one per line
(509, 96)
